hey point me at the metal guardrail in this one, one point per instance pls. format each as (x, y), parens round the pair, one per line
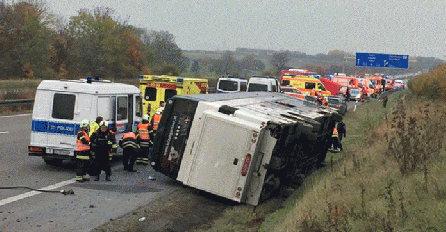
(16, 101)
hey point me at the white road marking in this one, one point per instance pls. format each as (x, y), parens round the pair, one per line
(17, 115)
(32, 193)
(4, 132)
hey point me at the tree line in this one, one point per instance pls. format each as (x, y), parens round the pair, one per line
(36, 44)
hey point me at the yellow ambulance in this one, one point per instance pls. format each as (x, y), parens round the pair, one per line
(157, 88)
(307, 85)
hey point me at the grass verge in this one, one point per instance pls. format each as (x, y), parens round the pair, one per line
(369, 186)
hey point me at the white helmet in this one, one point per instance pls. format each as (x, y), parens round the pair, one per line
(103, 124)
(84, 123)
(145, 117)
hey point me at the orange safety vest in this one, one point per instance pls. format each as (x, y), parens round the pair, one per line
(143, 131)
(80, 146)
(156, 121)
(129, 135)
(335, 132)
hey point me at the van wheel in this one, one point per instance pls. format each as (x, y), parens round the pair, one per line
(54, 162)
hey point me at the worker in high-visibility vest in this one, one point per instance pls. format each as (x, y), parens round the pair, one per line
(94, 126)
(336, 145)
(82, 152)
(143, 138)
(130, 149)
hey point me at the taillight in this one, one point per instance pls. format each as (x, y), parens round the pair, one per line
(246, 164)
(39, 150)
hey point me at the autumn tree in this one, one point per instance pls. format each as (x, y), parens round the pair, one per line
(25, 39)
(161, 50)
(280, 60)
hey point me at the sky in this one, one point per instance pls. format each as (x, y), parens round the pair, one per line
(402, 27)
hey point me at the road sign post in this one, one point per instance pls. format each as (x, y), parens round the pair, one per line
(382, 60)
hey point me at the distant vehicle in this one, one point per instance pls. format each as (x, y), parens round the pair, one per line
(265, 84)
(307, 85)
(231, 84)
(295, 72)
(157, 88)
(338, 103)
(292, 91)
(355, 94)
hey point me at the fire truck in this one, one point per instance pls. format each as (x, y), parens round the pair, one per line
(157, 88)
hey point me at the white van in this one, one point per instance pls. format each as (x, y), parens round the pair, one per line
(60, 106)
(266, 84)
(231, 84)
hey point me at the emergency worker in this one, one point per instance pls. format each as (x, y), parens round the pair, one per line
(143, 139)
(95, 125)
(342, 131)
(347, 94)
(82, 152)
(130, 150)
(103, 144)
(161, 108)
(335, 140)
(156, 120)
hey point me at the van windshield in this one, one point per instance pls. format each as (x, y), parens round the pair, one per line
(228, 85)
(257, 87)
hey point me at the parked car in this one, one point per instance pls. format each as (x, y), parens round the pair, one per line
(292, 91)
(338, 103)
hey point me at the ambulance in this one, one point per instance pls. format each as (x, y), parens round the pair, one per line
(60, 106)
(157, 88)
(307, 85)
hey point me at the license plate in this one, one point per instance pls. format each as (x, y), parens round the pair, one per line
(61, 151)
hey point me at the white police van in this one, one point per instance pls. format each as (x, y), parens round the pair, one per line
(60, 106)
(231, 84)
(265, 84)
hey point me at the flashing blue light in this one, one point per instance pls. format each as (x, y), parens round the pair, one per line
(89, 79)
(141, 76)
(179, 79)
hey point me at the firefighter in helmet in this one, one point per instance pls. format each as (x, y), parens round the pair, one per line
(143, 138)
(82, 152)
(103, 144)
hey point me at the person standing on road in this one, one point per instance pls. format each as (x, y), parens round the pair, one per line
(95, 125)
(82, 152)
(103, 144)
(143, 138)
(130, 150)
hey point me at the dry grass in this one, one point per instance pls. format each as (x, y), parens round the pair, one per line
(367, 190)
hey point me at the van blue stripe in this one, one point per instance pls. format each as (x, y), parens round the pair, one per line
(55, 127)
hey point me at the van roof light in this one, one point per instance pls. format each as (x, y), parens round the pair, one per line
(89, 79)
